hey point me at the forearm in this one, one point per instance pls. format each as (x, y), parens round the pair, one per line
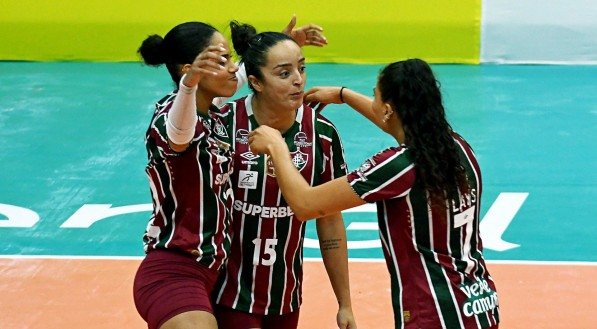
(361, 103)
(294, 187)
(333, 246)
(182, 117)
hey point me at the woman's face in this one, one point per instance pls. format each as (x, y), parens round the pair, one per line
(224, 83)
(284, 76)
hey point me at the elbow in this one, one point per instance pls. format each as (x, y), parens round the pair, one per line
(305, 213)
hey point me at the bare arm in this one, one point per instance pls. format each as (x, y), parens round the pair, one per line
(336, 95)
(182, 118)
(333, 246)
(306, 202)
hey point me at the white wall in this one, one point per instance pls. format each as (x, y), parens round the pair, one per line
(539, 31)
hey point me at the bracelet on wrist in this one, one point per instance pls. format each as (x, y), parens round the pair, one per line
(342, 98)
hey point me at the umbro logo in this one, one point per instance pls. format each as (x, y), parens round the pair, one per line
(249, 156)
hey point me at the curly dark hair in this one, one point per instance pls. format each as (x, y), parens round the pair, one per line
(412, 89)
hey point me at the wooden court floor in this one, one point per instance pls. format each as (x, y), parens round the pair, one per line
(97, 294)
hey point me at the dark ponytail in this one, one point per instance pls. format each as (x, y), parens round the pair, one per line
(241, 34)
(180, 46)
(152, 50)
(253, 47)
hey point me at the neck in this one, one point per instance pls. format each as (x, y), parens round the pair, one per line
(272, 116)
(396, 129)
(203, 102)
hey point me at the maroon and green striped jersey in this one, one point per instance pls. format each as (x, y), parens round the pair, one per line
(434, 255)
(190, 190)
(264, 272)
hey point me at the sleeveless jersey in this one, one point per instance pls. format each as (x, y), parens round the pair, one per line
(264, 272)
(438, 274)
(190, 190)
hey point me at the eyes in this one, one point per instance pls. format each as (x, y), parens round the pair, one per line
(284, 74)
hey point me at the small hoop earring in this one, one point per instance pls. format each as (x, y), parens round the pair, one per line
(387, 116)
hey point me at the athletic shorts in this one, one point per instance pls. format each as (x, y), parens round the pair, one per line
(229, 318)
(168, 283)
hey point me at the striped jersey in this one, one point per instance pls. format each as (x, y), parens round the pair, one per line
(190, 190)
(264, 272)
(434, 256)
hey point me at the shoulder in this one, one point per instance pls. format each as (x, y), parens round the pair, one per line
(325, 127)
(393, 159)
(165, 102)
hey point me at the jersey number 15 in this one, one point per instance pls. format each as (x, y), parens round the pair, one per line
(268, 249)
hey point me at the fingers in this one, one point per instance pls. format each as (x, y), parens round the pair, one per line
(210, 61)
(315, 37)
(309, 92)
(311, 27)
(290, 25)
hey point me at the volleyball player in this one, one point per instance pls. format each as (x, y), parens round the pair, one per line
(262, 280)
(189, 154)
(428, 194)
(189, 162)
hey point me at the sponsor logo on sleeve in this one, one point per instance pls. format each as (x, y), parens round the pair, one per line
(362, 169)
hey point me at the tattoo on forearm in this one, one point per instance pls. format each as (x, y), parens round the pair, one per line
(330, 244)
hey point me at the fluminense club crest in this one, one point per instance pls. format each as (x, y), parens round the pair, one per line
(299, 159)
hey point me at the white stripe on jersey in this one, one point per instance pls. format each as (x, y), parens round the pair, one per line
(337, 134)
(325, 137)
(446, 278)
(263, 188)
(325, 122)
(158, 205)
(175, 207)
(429, 282)
(390, 248)
(271, 272)
(285, 266)
(388, 182)
(243, 215)
(467, 250)
(313, 137)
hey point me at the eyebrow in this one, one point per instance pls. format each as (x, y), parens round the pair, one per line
(302, 60)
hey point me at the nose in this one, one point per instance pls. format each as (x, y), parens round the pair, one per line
(298, 79)
(232, 67)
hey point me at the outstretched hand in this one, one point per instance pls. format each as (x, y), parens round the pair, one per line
(307, 35)
(323, 95)
(208, 62)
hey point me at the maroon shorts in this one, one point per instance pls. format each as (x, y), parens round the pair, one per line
(169, 283)
(229, 318)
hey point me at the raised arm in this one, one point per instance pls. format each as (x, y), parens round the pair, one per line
(338, 95)
(306, 202)
(182, 118)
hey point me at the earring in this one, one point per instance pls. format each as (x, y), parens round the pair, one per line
(386, 117)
